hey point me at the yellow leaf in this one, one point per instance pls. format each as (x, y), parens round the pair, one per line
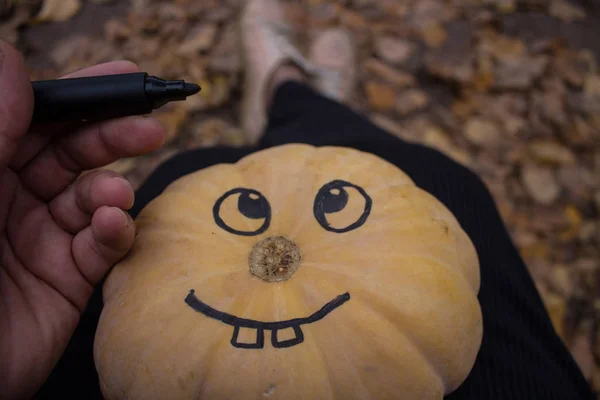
(464, 107)
(58, 10)
(381, 97)
(566, 11)
(484, 78)
(575, 220)
(434, 35)
(556, 307)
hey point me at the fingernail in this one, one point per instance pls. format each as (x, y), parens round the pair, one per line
(126, 218)
(128, 184)
(123, 180)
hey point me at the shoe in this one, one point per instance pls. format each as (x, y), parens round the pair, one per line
(334, 57)
(266, 46)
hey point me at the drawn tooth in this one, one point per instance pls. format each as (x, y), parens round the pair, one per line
(299, 337)
(258, 344)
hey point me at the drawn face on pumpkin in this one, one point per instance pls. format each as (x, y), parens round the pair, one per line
(275, 259)
(331, 264)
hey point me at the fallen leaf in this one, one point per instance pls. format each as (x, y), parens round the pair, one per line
(198, 40)
(215, 131)
(439, 140)
(587, 232)
(501, 46)
(411, 100)
(394, 76)
(352, 19)
(574, 65)
(116, 30)
(58, 10)
(429, 12)
(220, 90)
(505, 6)
(380, 96)
(575, 219)
(324, 14)
(591, 85)
(207, 133)
(481, 132)
(519, 73)
(576, 179)
(557, 309)
(434, 35)
(484, 78)
(458, 69)
(540, 183)
(77, 52)
(551, 152)
(226, 56)
(536, 249)
(462, 108)
(393, 50)
(566, 11)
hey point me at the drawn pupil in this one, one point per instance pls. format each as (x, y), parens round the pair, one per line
(332, 198)
(253, 206)
(335, 200)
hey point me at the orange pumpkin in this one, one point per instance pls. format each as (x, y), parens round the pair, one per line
(296, 273)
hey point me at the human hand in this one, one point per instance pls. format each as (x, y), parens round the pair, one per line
(59, 232)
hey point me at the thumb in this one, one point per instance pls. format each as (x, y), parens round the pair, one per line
(16, 101)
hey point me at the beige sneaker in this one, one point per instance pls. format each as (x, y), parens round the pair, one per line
(334, 56)
(264, 35)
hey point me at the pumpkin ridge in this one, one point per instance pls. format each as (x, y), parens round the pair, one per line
(437, 261)
(207, 366)
(410, 338)
(375, 296)
(140, 356)
(196, 227)
(240, 298)
(307, 214)
(190, 237)
(396, 328)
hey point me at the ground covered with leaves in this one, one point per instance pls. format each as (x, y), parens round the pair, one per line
(509, 88)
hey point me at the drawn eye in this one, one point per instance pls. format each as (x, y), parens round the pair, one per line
(242, 211)
(341, 206)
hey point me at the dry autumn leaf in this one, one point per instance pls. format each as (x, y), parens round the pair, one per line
(381, 97)
(58, 10)
(434, 35)
(566, 11)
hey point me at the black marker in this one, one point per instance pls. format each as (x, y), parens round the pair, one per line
(105, 97)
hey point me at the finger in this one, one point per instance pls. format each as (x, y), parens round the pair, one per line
(108, 68)
(73, 208)
(40, 135)
(90, 147)
(99, 246)
(16, 101)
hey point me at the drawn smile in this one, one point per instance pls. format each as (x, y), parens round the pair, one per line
(261, 326)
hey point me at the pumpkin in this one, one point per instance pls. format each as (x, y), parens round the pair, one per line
(296, 273)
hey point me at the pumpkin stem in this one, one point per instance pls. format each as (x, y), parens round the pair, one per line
(274, 259)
